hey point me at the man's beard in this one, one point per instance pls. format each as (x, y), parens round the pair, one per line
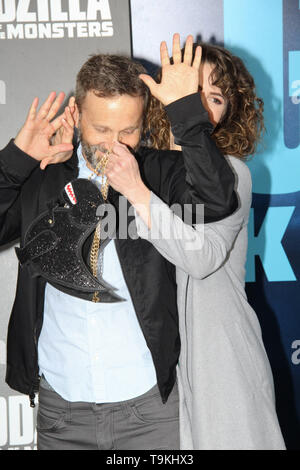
(92, 153)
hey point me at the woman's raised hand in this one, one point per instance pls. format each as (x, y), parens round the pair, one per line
(180, 78)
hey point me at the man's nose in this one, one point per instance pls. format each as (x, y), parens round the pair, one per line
(111, 138)
(107, 142)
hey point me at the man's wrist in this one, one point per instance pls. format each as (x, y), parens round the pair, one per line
(138, 194)
(16, 161)
(140, 197)
(186, 106)
(24, 148)
(176, 99)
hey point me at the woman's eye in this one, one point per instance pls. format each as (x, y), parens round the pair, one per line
(216, 101)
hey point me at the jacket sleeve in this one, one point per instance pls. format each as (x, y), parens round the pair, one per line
(202, 249)
(15, 167)
(209, 179)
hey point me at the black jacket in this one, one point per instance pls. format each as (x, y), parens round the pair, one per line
(199, 174)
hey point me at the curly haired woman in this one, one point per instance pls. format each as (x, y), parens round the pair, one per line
(226, 384)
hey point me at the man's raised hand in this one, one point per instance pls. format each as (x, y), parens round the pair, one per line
(180, 78)
(34, 138)
(64, 135)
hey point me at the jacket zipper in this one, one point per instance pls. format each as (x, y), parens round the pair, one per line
(36, 378)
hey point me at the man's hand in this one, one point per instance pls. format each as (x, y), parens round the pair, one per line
(64, 135)
(34, 138)
(122, 170)
(123, 175)
(180, 78)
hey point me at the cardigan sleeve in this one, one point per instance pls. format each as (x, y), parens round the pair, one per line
(201, 249)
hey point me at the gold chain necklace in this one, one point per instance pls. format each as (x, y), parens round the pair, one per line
(94, 254)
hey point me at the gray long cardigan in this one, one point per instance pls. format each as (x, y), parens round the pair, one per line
(225, 382)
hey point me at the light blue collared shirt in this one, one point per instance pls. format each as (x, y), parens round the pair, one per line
(94, 352)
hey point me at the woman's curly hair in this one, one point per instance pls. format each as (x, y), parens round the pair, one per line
(240, 130)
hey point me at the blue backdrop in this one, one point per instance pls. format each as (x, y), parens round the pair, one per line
(266, 35)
